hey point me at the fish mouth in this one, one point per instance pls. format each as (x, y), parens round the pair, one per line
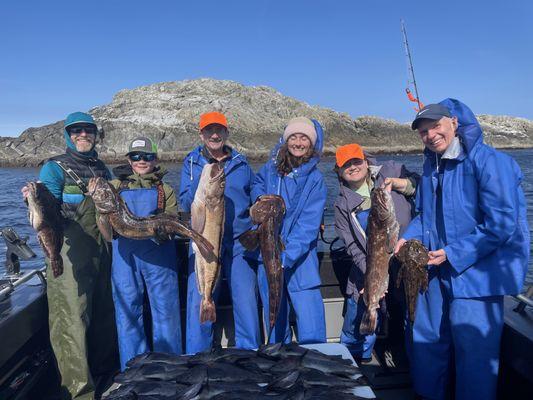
(274, 201)
(32, 187)
(217, 173)
(267, 206)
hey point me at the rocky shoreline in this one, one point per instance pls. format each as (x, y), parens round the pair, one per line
(168, 112)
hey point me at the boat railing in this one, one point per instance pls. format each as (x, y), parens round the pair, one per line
(16, 249)
(12, 282)
(524, 300)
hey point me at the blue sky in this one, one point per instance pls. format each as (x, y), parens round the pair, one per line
(62, 56)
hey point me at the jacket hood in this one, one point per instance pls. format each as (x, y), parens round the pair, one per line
(76, 118)
(196, 155)
(469, 131)
(319, 145)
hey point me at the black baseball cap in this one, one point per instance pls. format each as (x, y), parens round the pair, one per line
(431, 111)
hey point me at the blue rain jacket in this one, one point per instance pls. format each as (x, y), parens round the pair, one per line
(484, 208)
(304, 193)
(140, 263)
(239, 178)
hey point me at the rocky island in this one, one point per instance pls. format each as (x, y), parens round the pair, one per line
(169, 112)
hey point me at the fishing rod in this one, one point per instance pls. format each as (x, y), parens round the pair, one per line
(411, 70)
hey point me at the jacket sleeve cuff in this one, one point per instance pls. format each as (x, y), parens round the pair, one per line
(455, 260)
(410, 188)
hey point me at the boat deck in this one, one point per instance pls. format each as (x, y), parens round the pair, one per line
(23, 335)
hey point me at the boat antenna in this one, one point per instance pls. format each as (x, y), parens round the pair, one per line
(411, 70)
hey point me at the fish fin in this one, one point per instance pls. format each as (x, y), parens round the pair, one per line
(40, 236)
(204, 247)
(424, 284)
(57, 266)
(391, 241)
(250, 239)
(400, 276)
(55, 260)
(369, 322)
(104, 226)
(207, 311)
(197, 216)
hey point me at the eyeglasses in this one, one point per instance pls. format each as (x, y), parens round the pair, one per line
(142, 156)
(76, 130)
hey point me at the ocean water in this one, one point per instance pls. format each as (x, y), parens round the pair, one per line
(13, 211)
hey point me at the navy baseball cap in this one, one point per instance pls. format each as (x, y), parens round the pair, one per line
(431, 111)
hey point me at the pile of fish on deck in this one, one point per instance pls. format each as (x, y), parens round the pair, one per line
(274, 371)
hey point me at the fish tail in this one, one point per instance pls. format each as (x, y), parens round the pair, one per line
(208, 311)
(369, 322)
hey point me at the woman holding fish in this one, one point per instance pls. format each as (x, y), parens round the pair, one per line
(358, 176)
(144, 263)
(293, 174)
(215, 187)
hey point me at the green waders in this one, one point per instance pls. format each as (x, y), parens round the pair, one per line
(80, 304)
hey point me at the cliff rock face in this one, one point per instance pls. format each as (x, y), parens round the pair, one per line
(169, 113)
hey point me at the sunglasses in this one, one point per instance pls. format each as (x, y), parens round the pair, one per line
(142, 156)
(76, 130)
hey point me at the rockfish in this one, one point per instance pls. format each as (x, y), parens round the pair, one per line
(383, 229)
(45, 217)
(268, 213)
(413, 257)
(114, 215)
(207, 217)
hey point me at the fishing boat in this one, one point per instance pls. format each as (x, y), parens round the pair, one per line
(27, 368)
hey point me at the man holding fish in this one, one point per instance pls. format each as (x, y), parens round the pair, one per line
(214, 174)
(473, 220)
(81, 314)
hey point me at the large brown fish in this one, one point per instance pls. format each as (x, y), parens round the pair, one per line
(383, 229)
(413, 257)
(268, 213)
(114, 213)
(207, 217)
(45, 217)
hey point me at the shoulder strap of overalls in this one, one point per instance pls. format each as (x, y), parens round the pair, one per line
(123, 185)
(77, 180)
(160, 198)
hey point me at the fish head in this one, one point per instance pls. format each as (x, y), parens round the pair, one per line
(268, 206)
(104, 195)
(35, 197)
(382, 204)
(216, 182)
(40, 196)
(35, 190)
(413, 250)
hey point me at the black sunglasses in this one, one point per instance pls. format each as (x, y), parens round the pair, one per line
(76, 130)
(142, 156)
